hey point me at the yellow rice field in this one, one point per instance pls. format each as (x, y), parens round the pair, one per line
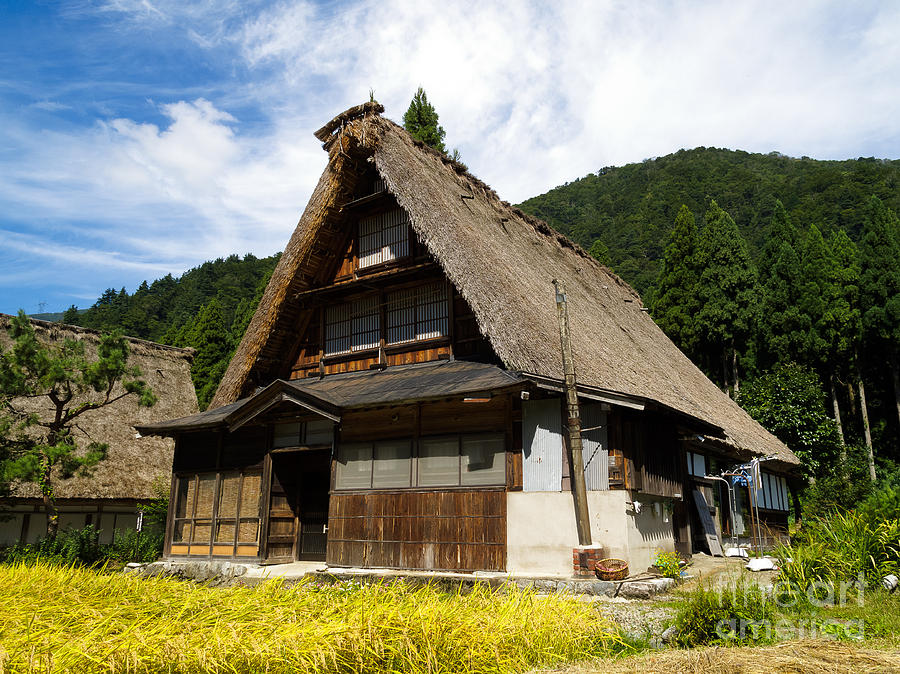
(70, 619)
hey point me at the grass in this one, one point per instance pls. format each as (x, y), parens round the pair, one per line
(58, 618)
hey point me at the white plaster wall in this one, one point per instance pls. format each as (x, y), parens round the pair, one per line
(541, 531)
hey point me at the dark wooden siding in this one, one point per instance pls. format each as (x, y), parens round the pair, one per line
(647, 453)
(445, 530)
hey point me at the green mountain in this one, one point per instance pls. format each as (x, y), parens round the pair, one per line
(630, 209)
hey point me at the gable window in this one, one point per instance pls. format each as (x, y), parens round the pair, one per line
(383, 238)
(352, 326)
(417, 313)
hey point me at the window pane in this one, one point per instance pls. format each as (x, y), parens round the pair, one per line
(182, 532)
(225, 531)
(439, 462)
(483, 460)
(401, 316)
(206, 490)
(184, 496)
(319, 432)
(250, 495)
(354, 467)
(202, 529)
(287, 435)
(431, 311)
(365, 324)
(228, 494)
(337, 329)
(248, 531)
(383, 237)
(392, 464)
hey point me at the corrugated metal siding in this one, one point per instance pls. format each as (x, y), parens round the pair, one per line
(542, 443)
(595, 449)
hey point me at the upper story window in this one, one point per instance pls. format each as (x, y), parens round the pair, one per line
(352, 326)
(383, 238)
(417, 313)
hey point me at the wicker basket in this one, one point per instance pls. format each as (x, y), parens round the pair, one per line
(611, 569)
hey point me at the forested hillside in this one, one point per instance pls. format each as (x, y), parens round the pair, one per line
(630, 209)
(206, 308)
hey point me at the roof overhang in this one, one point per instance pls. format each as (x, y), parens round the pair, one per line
(276, 393)
(619, 399)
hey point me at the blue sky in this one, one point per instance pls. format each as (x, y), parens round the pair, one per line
(143, 137)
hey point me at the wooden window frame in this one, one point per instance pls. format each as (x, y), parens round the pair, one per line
(214, 520)
(415, 447)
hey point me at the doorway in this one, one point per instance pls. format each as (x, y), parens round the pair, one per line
(298, 506)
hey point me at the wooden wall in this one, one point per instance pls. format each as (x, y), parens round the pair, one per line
(649, 457)
(445, 530)
(458, 529)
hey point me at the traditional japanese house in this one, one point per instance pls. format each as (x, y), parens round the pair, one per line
(135, 468)
(396, 400)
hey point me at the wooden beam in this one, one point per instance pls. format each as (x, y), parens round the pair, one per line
(573, 422)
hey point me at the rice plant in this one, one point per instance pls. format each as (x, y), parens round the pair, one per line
(72, 619)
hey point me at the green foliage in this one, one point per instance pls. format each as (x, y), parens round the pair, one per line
(734, 615)
(726, 289)
(840, 486)
(788, 401)
(421, 120)
(82, 547)
(676, 301)
(207, 308)
(840, 547)
(668, 564)
(36, 440)
(880, 274)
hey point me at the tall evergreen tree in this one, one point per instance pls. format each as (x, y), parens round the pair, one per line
(421, 120)
(727, 291)
(675, 302)
(782, 324)
(209, 336)
(880, 286)
(840, 327)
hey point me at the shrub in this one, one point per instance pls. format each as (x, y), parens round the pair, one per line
(82, 547)
(668, 564)
(839, 547)
(738, 614)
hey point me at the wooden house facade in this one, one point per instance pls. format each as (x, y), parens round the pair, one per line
(396, 400)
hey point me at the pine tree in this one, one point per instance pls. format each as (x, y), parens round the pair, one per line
(840, 326)
(880, 296)
(421, 120)
(727, 292)
(209, 336)
(781, 324)
(70, 315)
(676, 304)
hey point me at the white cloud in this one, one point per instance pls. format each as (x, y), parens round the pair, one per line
(533, 94)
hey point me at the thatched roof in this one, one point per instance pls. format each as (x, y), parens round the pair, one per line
(133, 464)
(503, 262)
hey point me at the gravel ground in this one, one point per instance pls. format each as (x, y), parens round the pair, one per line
(639, 618)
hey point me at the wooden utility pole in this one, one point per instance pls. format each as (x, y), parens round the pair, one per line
(573, 420)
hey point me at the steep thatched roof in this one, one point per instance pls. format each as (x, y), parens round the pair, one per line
(502, 262)
(133, 464)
